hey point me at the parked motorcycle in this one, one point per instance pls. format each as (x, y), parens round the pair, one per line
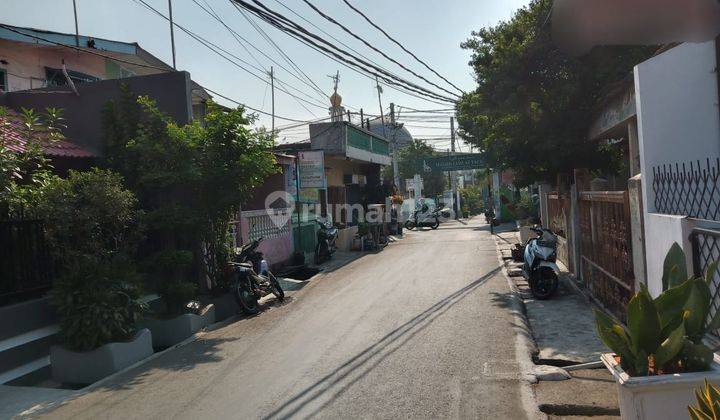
(489, 216)
(326, 237)
(539, 268)
(252, 278)
(423, 217)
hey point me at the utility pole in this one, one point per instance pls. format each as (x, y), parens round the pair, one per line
(382, 113)
(77, 32)
(393, 143)
(272, 97)
(172, 33)
(456, 200)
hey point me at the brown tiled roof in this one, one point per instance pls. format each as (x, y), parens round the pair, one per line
(13, 135)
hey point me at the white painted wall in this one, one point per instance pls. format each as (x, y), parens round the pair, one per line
(666, 230)
(678, 122)
(676, 94)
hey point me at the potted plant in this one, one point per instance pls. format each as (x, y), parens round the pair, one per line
(659, 357)
(708, 403)
(92, 228)
(177, 316)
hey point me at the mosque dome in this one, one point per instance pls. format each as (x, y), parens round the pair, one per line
(335, 100)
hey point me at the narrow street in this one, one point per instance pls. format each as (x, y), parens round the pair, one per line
(419, 330)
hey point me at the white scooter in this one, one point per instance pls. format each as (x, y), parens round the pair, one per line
(539, 268)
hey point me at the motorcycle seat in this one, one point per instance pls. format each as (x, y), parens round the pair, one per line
(242, 264)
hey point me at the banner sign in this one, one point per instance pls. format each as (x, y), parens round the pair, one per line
(451, 163)
(312, 169)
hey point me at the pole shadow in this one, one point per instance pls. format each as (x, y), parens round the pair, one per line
(369, 358)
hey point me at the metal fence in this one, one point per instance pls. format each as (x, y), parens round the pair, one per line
(606, 260)
(691, 189)
(706, 250)
(26, 267)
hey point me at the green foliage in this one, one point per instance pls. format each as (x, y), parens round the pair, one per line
(527, 207)
(190, 180)
(708, 403)
(23, 175)
(434, 183)
(471, 198)
(176, 293)
(664, 335)
(534, 104)
(92, 225)
(97, 301)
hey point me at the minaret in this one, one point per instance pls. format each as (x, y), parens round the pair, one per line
(337, 111)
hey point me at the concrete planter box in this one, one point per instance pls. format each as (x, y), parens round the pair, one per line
(345, 238)
(526, 234)
(73, 367)
(168, 332)
(225, 306)
(658, 397)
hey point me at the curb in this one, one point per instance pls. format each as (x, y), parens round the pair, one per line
(526, 347)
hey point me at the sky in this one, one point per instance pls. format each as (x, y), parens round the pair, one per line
(432, 30)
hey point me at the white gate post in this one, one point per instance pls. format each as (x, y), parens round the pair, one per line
(543, 190)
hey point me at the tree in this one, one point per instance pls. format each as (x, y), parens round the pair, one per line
(25, 173)
(434, 183)
(92, 225)
(190, 180)
(533, 105)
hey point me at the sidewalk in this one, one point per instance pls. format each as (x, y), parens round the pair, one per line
(563, 328)
(27, 401)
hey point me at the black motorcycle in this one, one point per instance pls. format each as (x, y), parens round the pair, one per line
(326, 237)
(423, 217)
(252, 278)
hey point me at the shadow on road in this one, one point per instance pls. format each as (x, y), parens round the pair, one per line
(344, 376)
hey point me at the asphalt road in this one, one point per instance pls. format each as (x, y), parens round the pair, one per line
(419, 330)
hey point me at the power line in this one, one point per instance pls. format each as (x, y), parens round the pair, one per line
(400, 45)
(372, 47)
(297, 31)
(224, 54)
(282, 53)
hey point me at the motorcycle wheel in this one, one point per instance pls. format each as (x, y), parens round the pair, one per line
(246, 299)
(276, 289)
(409, 224)
(545, 283)
(435, 225)
(318, 258)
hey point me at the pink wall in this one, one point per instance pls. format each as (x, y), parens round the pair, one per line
(276, 250)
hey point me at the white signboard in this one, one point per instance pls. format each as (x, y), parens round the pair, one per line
(312, 169)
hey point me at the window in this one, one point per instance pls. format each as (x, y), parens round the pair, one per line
(55, 77)
(3, 80)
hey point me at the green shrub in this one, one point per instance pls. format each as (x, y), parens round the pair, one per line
(92, 226)
(97, 301)
(664, 335)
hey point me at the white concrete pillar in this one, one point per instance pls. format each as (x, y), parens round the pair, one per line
(543, 190)
(637, 230)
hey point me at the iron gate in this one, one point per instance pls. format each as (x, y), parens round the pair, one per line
(606, 248)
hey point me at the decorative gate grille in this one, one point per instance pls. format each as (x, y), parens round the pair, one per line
(606, 260)
(559, 212)
(691, 190)
(706, 250)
